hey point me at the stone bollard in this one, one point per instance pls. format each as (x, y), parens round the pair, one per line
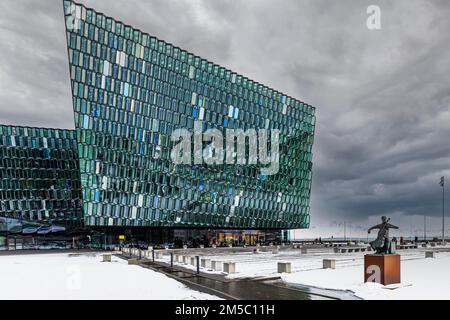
(205, 263)
(106, 258)
(284, 267)
(202, 246)
(214, 246)
(185, 247)
(304, 251)
(329, 264)
(216, 265)
(229, 267)
(430, 254)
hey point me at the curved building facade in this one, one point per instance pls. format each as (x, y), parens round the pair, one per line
(131, 91)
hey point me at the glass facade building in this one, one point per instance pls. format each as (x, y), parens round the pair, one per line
(131, 91)
(39, 176)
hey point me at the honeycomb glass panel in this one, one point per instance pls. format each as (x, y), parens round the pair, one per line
(40, 176)
(132, 90)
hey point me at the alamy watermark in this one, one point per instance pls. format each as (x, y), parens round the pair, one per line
(190, 147)
(373, 21)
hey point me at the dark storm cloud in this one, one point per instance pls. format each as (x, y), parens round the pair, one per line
(382, 96)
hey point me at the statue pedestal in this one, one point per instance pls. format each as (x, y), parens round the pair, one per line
(382, 268)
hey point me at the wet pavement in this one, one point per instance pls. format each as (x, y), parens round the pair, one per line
(237, 289)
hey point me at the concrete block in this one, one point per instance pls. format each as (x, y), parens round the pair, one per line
(284, 267)
(179, 258)
(106, 258)
(216, 265)
(229, 267)
(329, 264)
(186, 259)
(304, 250)
(193, 262)
(205, 263)
(133, 261)
(430, 254)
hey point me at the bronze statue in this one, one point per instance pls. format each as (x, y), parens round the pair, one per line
(382, 244)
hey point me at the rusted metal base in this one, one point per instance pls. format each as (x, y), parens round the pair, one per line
(382, 268)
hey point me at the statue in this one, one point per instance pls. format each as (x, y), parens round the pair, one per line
(382, 244)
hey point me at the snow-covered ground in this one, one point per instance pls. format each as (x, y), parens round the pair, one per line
(60, 276)
(421, 278)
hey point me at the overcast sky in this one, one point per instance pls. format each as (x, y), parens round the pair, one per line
(382, 96)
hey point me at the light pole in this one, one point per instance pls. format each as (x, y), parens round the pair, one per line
(442, 183)
(6, 238)
(345, 231)
(424, 227)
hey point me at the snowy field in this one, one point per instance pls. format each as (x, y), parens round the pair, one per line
(421, 278)
(60, 276)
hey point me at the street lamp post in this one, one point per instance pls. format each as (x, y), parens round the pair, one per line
(424, 228)
(442, 183)
(6, 237)
(345, 231)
